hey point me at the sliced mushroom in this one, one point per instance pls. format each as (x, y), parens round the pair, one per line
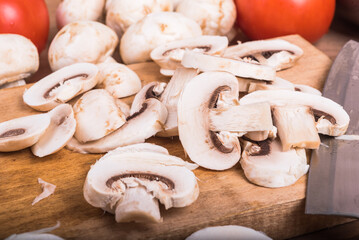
(139, 126)
(205, 62)
(19, 58)
(276, 53)
(37, 234)
(97, 115)
(61, 86)
(82, 41)
(331, 118)
(265, 164)
(170, 97)
(118, 79)
(215, 17)
(20, 133)
(168, 56)
(153, 30)
(60, 131)
(121, 14)
(70, 11)
(140, 147)
(16, 83)
(130, 184)
(123, 106)
(230, 232)
(306, 89)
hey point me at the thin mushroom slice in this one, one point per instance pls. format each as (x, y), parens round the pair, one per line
(276, 53)
(16, 83)
(138, 127)
(61, 86)
(331, 118)
(60, 131)
(205, 63)
(131, 186)
(41, 234)
(266, 164)
(123, 106)
(139, 147)
(306, 89)
(20, 133)
(19, 58)
(217, 151)
(168, 56)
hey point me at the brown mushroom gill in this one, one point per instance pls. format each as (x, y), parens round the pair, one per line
(13, 133)
(82, 75)
(143, 108)
(151, 94)
(203, 48)
(146, 176)
(318, 114)
(264, 147)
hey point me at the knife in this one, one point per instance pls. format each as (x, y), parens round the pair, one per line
(333, 181)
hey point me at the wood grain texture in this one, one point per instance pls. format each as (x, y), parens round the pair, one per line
(225, 197)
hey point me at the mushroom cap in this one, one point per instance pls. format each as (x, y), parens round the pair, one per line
(20, 133)
(121, 14)
(62, 128)
(216, 17)
(333, 119)
(97, 115)
(61, 86)
(81, 41)
(155, 29)
(19, 58)
(73, 10)
(203, 146)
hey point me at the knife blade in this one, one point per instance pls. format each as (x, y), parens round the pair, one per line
(333, 181)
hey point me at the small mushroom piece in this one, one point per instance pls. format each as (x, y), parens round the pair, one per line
(20, 133)
(276, 53)
(97, 115)
(331, 118)
(266, 164)
(205, 63)
(61, 86)
(168, 56)
(205, 147)
(216, 17)
(153, 30)
(16, 83)
(123, 106)
(130, 184)
(19, 58)
(118, 79)
(62, 128)
(138, 127)
(230, 232)
(70, 11)
(140, 147)
(41, 234)
(121, 14)
(296, 127)
(306, 89)
(82, 41)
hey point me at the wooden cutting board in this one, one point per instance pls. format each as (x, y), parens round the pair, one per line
(225, 197)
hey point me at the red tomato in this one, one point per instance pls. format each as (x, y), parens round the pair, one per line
(29, 18)
(261, 19)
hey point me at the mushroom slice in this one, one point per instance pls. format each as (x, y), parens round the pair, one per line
(265, 164)
(151, 90)
(205, 147)
(153, 30)
(168, 56)
(306, 89)
(230, 232)
(139, 126)
(131, 184)
(170, 98)
(97, 115)
(37, 234)
(296, 127)
(262, 135)
(139, 147)
(278, 83)
(60, 131)
(82, 41)
(20, 133)
(118, 79)
(123, 106)
(16, 83)
(47, 190)
(205, 63)
(61, 86)
(19, 58)
(331, 118)
(276, 53)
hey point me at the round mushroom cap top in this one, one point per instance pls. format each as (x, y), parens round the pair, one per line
(153, 30)
(82, 41)
(19, 58)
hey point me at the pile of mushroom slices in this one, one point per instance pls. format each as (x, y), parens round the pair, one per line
(130, 181)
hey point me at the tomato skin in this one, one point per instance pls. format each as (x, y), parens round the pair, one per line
(261, 19)
(29, 18)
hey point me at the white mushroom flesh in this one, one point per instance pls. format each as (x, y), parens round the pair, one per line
(16, 83)
(47, 190)
(123, 106)
(41, 234)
